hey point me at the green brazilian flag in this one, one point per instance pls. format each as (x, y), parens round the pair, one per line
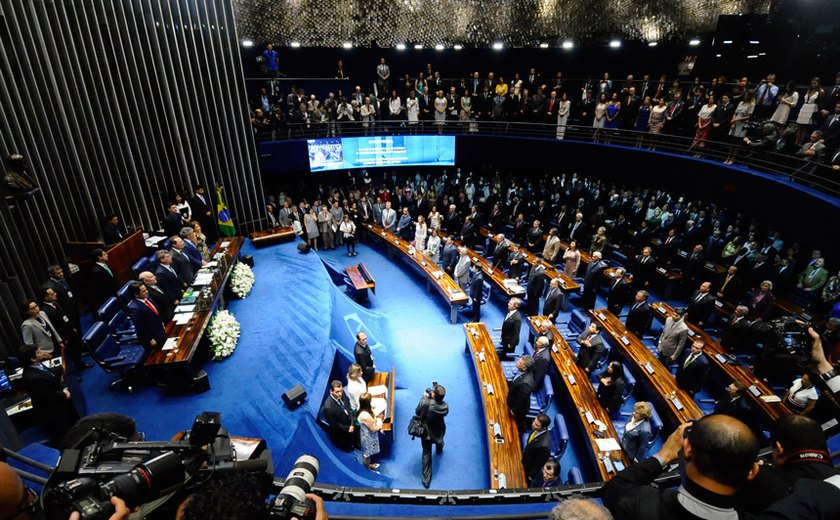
(225, 221)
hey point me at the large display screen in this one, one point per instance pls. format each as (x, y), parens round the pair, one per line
(341, 153)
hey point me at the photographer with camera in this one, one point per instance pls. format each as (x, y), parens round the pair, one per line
(432, 409)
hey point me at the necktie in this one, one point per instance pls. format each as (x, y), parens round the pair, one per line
(763, 95)
(689, 360)
(150, 306)
(698, 298)
(105, 266)
(722, 287)
(532, 436)
(635, 306)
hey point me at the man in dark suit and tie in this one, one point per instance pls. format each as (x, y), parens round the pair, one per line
(640, 315)
(146, 318)
(202, 210)
(103, 283)
(112, 232)
(591, 280)
(591, 348)
(168, 278)
(67, 329)
(553, 300)
(519, 392)
(500, 253)
(736, 335)
(50, 398)
(363, 356)
(173, 222)
(336, 410)
(645, 268)
(476, 292)
(693, 369)
(162, 302)
(670, 247)
(731, 288)
(577, 231)
(700, 305)
(538, 448)
(66, 298)
(620, 292)
(180, 260)
(536, 285)
(511, 326)
(187, 234)
(542, 360)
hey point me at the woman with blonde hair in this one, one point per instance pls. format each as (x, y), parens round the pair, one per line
(637, 432)
(369, 427)
(356, 385)
(599, 240)
(200, 240)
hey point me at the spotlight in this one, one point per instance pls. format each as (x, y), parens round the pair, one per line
(400, 46)
(439, 47)
(457, 46)
(568, 44)
(653, 44)
(295, 44)
(695, 42)
(718, 55)
(727, 42)
(543, 46)
(498, 46)
(247, 43)
(754, 42)
(752, 56)
(347, 45)
(418, 46)
(615, 44)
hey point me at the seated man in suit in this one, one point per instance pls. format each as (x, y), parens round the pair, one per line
(162, 301)
(700, 305)
(146, 317)
(553, 300)
(511, 326)
(640, 315)
(538, 448)
(519, 392)
(180, 260)
(50, 398)
(102, 280)
(549, 477)
(693, 369)
(339, 416)
(591, 347)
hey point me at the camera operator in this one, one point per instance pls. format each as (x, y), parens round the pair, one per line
(433, 410)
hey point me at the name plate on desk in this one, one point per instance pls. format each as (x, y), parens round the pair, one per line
(710, 266)
(497, 431)
(683, 254)
(691, 332)
(648, 368)
(383, 234)
(677, 404)
(562, 282)
(555, 349)
(589, 417)
(489, 388)
(170, 344)
(720, 358)
(438, 275)
(755, 391)
(481, 357)
(600, 315)
(625, 340)
(608, 466)
(619, 466)
(502, 479)
(572, 379)
(423, 264)
(661, 310)
(661, 270)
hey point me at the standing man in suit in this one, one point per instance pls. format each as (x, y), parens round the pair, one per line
(611, 387)
(433, 410)
(405, 228)
(519, 392)
(731, 287)
(66, 298)
(620, 291)
(814, 277)
(500, 254)
(180, 260)
(542, 360)
(112, 232)
(64, 326)
(515, 261)
(168, 278)
(553, 300)
(338, 414)
(202, 210)
(538, 449)
(173, 222)
(389, 218)
(511, 326)
(645, 267)
(672, 339)
(640, 315)
(591, 348)
(187, 234)
(591, 280)
(735, 336)
(50, 398)
(536, 286)
(146, 317)
(102, 280)
(693, 369)
(476, 292)
(162, 302)
(461, 273)
(700, 305)
(449, 256)
(363, 356)
(577, 231)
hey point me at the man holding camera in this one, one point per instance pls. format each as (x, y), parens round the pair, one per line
(432, 409)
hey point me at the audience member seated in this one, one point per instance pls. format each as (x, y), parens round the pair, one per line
(548, 477)
(801, 397)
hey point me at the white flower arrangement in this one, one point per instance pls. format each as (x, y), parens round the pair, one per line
(241, 280)
(224, 334)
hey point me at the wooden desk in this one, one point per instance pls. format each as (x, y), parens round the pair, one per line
(189, 334)
(436, 276)
(121, 255)
(506, 457)
(493, 274)
(585, 401)
(388, 380)
(679, 405)
(361, 277)
(715, 352)
(567, 284)
(272, 236)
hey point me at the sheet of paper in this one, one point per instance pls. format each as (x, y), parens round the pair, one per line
(378, 390)
(182, 319)
(608, 444)
(771, 398)
(378, 405)
(170, 344)
(185, 308)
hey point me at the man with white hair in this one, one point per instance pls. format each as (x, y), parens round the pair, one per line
(576, 507)
(462, 269)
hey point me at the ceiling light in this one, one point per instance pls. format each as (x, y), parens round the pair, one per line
(418, 46)
(717, 55)
(694, 42)
(295, 44)
(439, 47)
(754, 42)
(727, 42)
(400, 46)
(653, 44)
(498, 46)
(247, 43)
(457, 46)
(568, 44)
(615, 44)
(543, 46)
(752, 56)
(347, 45)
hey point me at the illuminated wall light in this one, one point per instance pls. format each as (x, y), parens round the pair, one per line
(695, 42)
(727, 42)
(754, 42)
(400, 46)
(498, 46)
(418, 46)
(653, 44)
(615, 44)
(568, 44)
(457, 46)
(247, 43)
(717, 55)
(543, 46)
(752, 56)
(439, 47)
(295, 44)
(347, 45)
(762, 54)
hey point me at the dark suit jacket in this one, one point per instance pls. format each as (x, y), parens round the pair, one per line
(588, 357)
(739, 408)
(536, 453)
(182, 265)
(193, 254)
(638, 319)
(733, 291)
(112, 234)
(542, 360)
(66, 298)
(610, 396)
(692, 378)
(476, 287)
(340, 419)
(553, 303)
(435, 411)
(103, 285)
(736, 337)
(172, 224)
(52, 407)
(164, 304)
(148, 324)
(61, 320)
(364, 358)
(170, 283)
(592, 278)
(619, 296)
(699, 311)
(449, 257)
(510, 331)
(519, 399)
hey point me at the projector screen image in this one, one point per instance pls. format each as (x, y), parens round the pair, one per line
(340, 153)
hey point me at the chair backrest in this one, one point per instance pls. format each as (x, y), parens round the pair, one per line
(559, 437)
(629, 382)
(119, 322)
(153, 263)
(107, 310)
(107, 349)
(575, 477)
(124, 293)
(578, 321)
(618, 257)
(94, 337)
(141, 265)
(528, 348)
(655, 425)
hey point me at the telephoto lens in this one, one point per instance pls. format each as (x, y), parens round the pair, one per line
(291, 501)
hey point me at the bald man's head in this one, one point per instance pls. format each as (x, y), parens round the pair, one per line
(12, 492)
(722, 449)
